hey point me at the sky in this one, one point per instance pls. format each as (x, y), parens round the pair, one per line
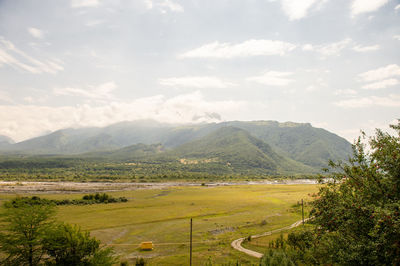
(84, 63)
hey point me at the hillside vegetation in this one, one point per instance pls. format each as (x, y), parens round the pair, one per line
(148, 148)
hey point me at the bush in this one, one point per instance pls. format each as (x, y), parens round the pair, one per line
(276, 258)
(140, 262)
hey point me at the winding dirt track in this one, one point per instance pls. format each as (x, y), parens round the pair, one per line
(237, 244)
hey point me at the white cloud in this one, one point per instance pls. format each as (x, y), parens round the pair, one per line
(297, 9)
(366, 6)
(92, 23)
(244, 49)
(368, 127)
(148, 4)
(320, 124)
(345, 92)
(172, 6)
(84, 3)
(333, 49)
(397, 7)
(26, 121)
(362, 49)
(12, 56)
(317, 70)
(164, 5)
(273, 78)
(36, 33)
(311, 88)
(318, 84)
(307, 47)
(196, 82)
(101, 92)
(393, 100)
(396, 37)
(329, 49)
(33, 100)
(381, 84)
(380, 73)
(5, 97)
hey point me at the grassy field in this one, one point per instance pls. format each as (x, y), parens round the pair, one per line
(220, 215)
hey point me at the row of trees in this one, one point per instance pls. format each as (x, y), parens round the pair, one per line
(88, 199)
(356, 215)
(30, 236)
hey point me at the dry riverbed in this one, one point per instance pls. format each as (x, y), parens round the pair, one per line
(83, 187)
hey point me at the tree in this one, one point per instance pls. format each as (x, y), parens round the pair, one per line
(29, 236)
(357, 212)
(276, 258)
(68, 245)
(23, 227)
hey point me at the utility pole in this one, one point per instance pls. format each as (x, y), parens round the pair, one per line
(191, 227)
(302, 210)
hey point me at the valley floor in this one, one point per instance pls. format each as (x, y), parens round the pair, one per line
(161, 213)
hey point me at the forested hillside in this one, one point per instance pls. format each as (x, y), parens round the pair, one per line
(257, 147)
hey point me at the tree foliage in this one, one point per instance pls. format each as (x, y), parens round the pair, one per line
(24, 226)
(357, 213)
(68, 245)
(30, 236)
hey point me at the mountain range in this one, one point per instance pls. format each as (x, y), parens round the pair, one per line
(261, 146)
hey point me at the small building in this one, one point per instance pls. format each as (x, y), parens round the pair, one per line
(146, 245)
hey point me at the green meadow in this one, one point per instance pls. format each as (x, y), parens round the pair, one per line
(220, 215)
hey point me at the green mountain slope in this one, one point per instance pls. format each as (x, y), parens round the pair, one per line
(298, 141)
(133, 152)
(235, 149)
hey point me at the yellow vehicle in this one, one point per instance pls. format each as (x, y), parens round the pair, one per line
(146, 245)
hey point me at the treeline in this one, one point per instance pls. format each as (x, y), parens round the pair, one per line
(66, 169)
(37, 162)
(86, 200)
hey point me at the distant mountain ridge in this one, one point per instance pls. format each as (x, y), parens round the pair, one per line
(5, 141)
(266, 142)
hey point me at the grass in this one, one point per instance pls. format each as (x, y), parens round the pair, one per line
(261, 244)
(220, 215)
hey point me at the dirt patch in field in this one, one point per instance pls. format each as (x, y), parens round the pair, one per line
(222, 230)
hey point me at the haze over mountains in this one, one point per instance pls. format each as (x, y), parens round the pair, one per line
(268, 145)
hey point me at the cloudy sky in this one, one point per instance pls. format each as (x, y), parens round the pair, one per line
(74, 63)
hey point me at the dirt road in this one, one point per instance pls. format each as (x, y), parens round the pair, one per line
(237, 244)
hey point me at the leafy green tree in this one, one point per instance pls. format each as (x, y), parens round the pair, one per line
(276, 258)
(68, 245)
(29, 236)
(22, 230)
(357, 212)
